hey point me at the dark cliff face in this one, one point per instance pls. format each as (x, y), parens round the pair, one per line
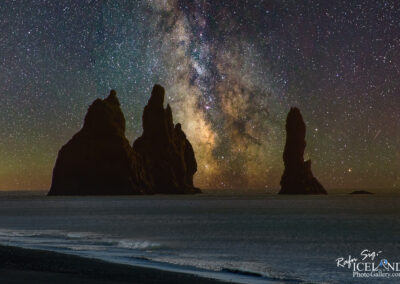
(98, 160)
(167, 155)
(297, 177)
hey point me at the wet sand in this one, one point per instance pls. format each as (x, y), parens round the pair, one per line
(19, 265)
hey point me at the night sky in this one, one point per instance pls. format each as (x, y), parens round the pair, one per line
(231, 70)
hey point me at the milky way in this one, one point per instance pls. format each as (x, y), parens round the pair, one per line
(231, 70)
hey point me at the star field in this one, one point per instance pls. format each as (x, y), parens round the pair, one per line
(231, 70)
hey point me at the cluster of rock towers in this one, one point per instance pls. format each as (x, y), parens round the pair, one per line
(99, 160)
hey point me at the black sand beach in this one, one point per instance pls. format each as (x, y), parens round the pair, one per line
(19, 265)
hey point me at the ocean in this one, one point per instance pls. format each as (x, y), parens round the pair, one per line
(262, 238)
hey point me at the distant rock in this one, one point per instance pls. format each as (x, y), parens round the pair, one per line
(297, 177)
(98, 160)
(167, 154)
(360, 192)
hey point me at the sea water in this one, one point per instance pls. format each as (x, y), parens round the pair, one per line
(244, 238)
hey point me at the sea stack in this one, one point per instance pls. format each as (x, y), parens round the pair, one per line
(297, 177)
(99, 160)
(167, 154)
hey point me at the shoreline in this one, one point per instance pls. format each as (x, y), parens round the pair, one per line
(21, 265)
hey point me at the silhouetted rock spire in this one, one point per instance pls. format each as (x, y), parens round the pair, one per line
(167, 155)
(98, 160)
(297, 177)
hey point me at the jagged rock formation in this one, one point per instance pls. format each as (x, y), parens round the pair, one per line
(167, 155)
(98, 160)
(297, 177)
